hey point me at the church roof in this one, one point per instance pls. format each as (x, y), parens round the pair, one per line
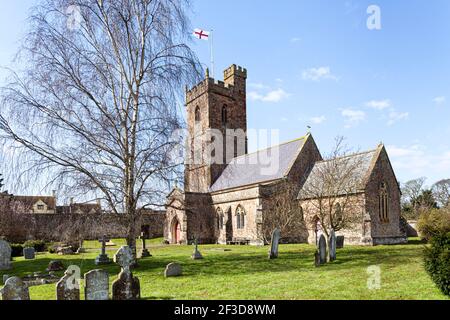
(254, 168)
(314, 184)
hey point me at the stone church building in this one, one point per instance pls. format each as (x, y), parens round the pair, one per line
(234, 201)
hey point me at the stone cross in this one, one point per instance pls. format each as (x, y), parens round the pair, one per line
(103, 257)
(126, 287)
(15, 289)
(96, 285)
(276, 236)
(68, 288)
(144, 253)
(196, 255)
(5, 255)
(332, 245)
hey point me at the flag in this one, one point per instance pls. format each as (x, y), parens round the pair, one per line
(201, 34)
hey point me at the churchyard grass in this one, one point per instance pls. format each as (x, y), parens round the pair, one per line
(245, 272)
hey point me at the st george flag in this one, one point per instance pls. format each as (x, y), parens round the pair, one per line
(201, 34)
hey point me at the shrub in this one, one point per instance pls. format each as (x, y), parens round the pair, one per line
(38, 245)
(437, 261)
(434, 222)
(16, 250)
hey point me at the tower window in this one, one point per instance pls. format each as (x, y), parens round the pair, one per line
(224, 115)
(240, 218)
(384, 203)
(197, 114)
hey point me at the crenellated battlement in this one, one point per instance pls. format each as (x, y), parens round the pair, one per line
(235, 70)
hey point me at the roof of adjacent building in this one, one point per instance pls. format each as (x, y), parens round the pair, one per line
(314, 184)
(29, 201)
(254, 168)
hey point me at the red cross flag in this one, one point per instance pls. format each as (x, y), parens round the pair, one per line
(201, 34)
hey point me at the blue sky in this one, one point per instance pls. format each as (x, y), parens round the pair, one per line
(315, 62)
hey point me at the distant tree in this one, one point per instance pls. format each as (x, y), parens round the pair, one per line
(98, 100)
(424, 201)
(412, 189)
(1, 182)
(441, 192)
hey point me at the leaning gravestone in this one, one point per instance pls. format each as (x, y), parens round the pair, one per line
(332, 245)
(196, 255)
(5, 255)
(173, 270)
(68, 288)
(322, 249)
(126, 287)
(29, 253)
(96, 285)
(15, 289)
(276, 236)
(5, 277)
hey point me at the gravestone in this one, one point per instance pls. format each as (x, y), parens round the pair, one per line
(126, 287)
(5, 255)
(96, 285)
(15, 289)
(276, 236)
(55, 265)
(173, 270)
(64, 250)
(339, 242)
(103, 258)
(196, 255)
(322, 249)
(68, 288)
(144, 253)
(332, 245)
(5, 277)
(29, 253)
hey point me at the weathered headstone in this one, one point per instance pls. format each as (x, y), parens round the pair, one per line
(103, 258)
(96, 285)
(29, 253)
(144, 253)
(15, 289)
(64, 250)
(126, 287)
(68, 288)
(5, 255)
(322, 248)
(340, 242)
(332, 245)
(276, 236)
(5, 277)
(196, 255)
(173, 270)
(55, 265)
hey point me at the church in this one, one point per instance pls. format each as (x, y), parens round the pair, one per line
(240, 200)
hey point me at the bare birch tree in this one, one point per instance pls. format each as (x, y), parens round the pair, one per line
(331, 194)
(97, 101)
(441, 192)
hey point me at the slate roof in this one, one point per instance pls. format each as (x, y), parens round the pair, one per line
(253, 168)
(354, 185)
(29, 201)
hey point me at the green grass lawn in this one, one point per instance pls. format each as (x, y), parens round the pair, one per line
(246, 273)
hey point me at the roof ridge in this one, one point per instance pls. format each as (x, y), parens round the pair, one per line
(348, 156)
(271, 147)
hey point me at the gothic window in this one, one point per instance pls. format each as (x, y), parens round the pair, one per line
(384, 203)
(197, 114)
(219, 219)
(224, 115)
(240, 218)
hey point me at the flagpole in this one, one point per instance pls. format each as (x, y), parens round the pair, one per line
(211, 44)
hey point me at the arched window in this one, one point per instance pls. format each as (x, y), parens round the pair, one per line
(240, 218)
(219, 219)
(197, 114)
(224, 115)
(384, 203)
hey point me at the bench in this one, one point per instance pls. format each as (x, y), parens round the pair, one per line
(238, 241)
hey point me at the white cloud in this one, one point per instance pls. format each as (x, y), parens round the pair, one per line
(318, 120)
(353, 117)
(258, 86)
(439, 100)
(379, 104)
(395, 116)
(317, 74)
(271, 96)
(295, 40)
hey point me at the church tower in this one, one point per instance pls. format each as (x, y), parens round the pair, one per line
(220, 106)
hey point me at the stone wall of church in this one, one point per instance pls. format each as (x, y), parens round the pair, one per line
(384, 232)
(199, 218)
